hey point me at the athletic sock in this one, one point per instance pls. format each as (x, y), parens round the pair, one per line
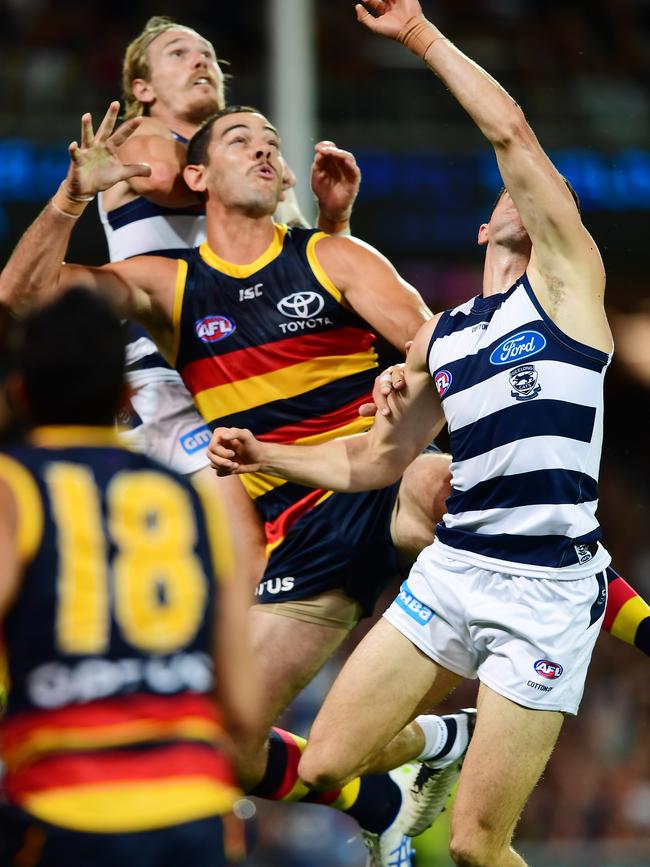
(445, 738)
(627, 615)
(373, 801)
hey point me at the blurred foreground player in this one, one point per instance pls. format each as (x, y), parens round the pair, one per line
(122, 623)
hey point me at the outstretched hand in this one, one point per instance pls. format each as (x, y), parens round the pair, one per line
(95, 164)
(233, 451)
(335, 180)
(389, 16)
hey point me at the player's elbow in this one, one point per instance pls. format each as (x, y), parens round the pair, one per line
(512, 129)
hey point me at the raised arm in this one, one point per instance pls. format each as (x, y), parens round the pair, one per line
(357, 463)
(141, 288)
(371, 286)
(566, 268)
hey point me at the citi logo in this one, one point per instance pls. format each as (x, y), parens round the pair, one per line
(210, 329)
(301, 305)
(549, 670)
(518, 346)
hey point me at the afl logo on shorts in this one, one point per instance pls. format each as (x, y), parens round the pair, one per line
(213, 328)
(301, 305)
(443, 381)
(548, 669)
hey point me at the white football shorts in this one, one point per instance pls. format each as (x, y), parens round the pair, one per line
(528, 639)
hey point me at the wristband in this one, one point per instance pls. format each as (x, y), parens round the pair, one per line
(67, 204)
(418, 35)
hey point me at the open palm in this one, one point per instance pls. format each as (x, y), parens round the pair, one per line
(95, 164)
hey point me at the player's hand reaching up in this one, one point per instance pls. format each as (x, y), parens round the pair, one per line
(335, 180)
(388, 16)
(95, 164)
(233, 451)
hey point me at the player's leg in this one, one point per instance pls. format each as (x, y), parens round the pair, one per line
(370, 702)
(497, 778)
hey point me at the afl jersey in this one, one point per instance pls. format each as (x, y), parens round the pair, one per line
(524, 405)
(111, 724)
(271, 347)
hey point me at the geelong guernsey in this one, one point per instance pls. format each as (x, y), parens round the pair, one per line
(524, 405)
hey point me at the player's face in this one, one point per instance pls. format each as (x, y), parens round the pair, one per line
(245, 169)
(505, 226)
(186, 81)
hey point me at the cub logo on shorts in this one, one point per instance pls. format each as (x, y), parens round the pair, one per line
(443, 381)
(420, 612)
(213, 328)
(523, 381)
(549, 670)
(517, 347)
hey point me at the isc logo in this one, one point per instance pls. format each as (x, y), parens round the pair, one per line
(213, 328)
(548, 669)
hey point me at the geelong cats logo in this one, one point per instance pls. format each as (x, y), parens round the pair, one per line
(523, 380)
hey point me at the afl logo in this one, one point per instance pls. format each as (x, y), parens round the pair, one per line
(549, 670)
(518, 346)
(301, 305)
(213, 328)
(443, 381)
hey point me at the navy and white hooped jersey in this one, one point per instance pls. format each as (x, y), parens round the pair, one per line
(138, 228)
(524, 405)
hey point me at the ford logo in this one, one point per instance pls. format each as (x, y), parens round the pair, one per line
(301, 305)
(213, 328)
(548, 669)
(518, 346)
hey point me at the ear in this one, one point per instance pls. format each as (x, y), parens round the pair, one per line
(483, 232)
(195, 178)
(143, 91)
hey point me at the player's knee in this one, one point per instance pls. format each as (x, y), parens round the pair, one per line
(317, 772)
(474, 847)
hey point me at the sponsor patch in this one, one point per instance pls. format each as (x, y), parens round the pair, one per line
(549, 670)
(275, 586)
(210, 329)
(517, 347)
(443, 381)
(301, 305)
(584, 553)
(523, 381)
(196, 439)
(420, 612)
(540, 687)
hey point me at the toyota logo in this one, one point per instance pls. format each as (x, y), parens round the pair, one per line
(301, 305)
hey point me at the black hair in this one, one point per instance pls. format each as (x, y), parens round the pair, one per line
(576, 198)
(197, 149)
(71, 356)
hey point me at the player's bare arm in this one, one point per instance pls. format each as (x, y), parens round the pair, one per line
(566, 269)
(9, 562)
(154, 145)
(372, 288)
(141, 288)
(357, 463)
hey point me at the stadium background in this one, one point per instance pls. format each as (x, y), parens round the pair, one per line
(581, 71)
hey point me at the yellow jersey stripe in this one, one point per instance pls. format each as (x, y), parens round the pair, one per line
(232, 270)
(179, 293)
(317, 268)
(292, 381)
(131, 806)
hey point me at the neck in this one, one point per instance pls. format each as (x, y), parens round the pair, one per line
(237, 237)
(176, 123)
(502, 267)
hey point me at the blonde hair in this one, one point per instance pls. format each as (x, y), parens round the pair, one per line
(136, 61)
